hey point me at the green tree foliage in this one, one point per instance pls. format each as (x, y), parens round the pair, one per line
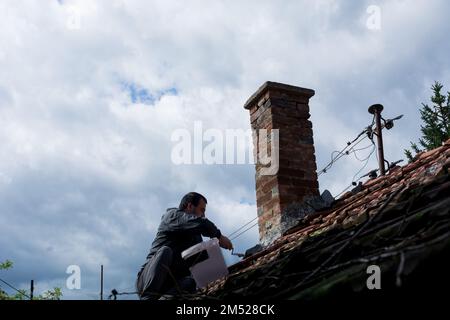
(436, 122)
(54, 294)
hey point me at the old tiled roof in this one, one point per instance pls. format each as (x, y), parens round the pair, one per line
(392, 219)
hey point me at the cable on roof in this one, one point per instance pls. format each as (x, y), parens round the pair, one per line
(360, 149)
(365, 164)
(242, 227)
(354, 182)
(238, 235)
(369, 132)
(344, 150)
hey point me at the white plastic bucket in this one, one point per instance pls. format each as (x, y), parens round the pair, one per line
(207, 262)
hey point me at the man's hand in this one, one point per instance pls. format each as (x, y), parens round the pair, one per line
(225, 243)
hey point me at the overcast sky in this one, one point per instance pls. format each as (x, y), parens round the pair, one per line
(91, 92)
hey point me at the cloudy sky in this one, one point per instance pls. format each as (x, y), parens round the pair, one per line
(91, 92)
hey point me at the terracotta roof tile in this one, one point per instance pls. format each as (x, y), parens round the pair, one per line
(352, 209)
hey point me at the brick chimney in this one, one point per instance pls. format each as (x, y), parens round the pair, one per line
(279, 195)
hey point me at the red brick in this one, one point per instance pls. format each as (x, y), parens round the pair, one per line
(285, 108)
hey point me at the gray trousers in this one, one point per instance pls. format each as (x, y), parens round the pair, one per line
(154, 279)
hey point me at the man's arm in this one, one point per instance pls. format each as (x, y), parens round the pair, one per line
(190, 223)
(225, 243)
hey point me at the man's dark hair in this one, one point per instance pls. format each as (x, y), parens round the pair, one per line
(191, 197)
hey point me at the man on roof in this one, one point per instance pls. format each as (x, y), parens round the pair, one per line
(165, 272)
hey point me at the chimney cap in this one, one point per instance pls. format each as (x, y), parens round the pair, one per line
(279, 86)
